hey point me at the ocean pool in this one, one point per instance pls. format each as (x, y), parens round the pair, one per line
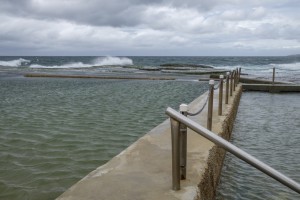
(268, 127)
(53, 132)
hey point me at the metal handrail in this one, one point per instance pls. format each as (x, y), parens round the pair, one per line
(177, 118)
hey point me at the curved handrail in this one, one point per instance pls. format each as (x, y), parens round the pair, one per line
(179, 118)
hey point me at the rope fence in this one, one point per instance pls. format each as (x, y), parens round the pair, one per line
(205, 103)
(198, 112)
(181, 129)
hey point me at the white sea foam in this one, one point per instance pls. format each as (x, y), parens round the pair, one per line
(113, 61)
(264, 68)
(101, 61)
(14, 63)
(288, 67)
(284, 72)
(65, 66)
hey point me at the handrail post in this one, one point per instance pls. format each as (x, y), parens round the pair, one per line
(210, 104)
(183, 143)
(273, 78)
(231, 83)
(220, 95)
(175, 137)
(227, 87)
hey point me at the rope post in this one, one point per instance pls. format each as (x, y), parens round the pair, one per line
(175, 138)
(183, 108)
(210, 104)
(240, 70)
(231, 82)
(227, 87)
(220, 95)
(234, 79)
(237, 77)
(273, 78)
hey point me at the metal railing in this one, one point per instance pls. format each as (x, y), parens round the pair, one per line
(179, 153)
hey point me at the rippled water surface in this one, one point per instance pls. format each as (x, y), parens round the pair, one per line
(268, 127)
(53, 132)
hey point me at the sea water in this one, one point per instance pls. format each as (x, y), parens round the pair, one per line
(287, 67)
(54, 131)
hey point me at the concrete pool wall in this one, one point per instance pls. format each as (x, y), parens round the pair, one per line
(143, 170)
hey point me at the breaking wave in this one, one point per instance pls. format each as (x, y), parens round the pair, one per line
(264, 68)
(113, 61)
(65, 66)
(14, 63)
(101, 61)
(289, 72)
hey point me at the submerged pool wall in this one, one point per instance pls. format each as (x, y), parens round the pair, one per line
(211, 176)
(144, 169)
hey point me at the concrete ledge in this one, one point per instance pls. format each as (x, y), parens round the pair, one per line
(271, 88)
(143, 170)
(259, 81)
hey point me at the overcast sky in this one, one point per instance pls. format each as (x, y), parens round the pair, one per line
(149, 27)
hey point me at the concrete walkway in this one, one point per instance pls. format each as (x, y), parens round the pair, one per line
(143, 170)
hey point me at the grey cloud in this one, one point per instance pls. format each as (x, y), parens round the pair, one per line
(99, 12)
(102, 13)
(271, 31)
(244, 14)
(132, 25)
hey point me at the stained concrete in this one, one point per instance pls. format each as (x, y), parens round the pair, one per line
(260, 81)
(143, 170)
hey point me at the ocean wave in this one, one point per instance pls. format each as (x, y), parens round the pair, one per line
(107, 61)
(65, 66)
(227, 67)
(268, 68)
(289, 66)
(14, 63)
(101, 61)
